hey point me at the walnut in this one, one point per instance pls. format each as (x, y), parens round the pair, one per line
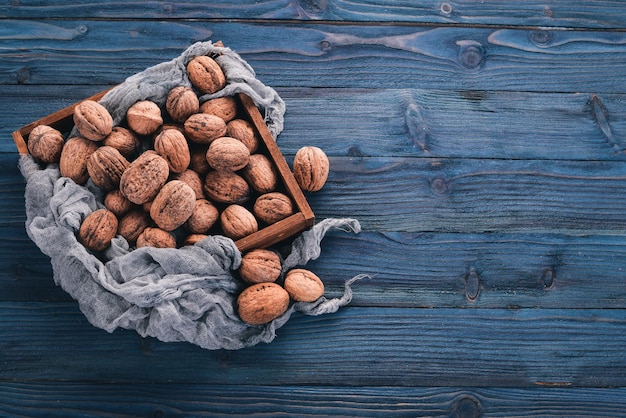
(226, 187)
(74, 156)
(244, 131)
(198, 163)
(144, 177)
(206, 75)
(173, 205)
(227, 153)
(261, 303)
(98, 229)
(310, 168)
(224, 107)
(133, 223)
(203, 217)
(156, 237)
(192, 178)
(191, 239)
(238, 222)
(124, 140)
(259, 266)
(202, 128)
(144, 117)
(45, 144)
(273, 207)
(171, 144)
(260, 174)
(92, 120)
(303, 285)
(117, 203)
(106, 166)
(181, 103)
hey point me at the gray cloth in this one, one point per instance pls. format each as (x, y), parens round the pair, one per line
(187, 294)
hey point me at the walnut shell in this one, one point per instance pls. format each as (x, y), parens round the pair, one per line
(203, 217)
(92, 120)
(226, 187)
(144, 117)
(74, 156)
(273, 207)
(205, 74)
(45, 144)
(192, 178)
(156, 237)
(303, 285)
(133, 223)
(181, 103)
(203, 128)
(124, 140)
(244, 131)
(262, 303)
(98, 229)
(172, 145)
(226, 153)
(198, 163)
(117, 203)
(238, 222)
(224, 107)
(191, 239)
(173, 205)
(144, 177)
(310, 168)
(260, 174)
(106, 166)
(260, 266)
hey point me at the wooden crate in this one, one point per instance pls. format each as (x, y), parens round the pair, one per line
(303, 217)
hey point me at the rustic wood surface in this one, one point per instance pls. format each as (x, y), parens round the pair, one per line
(482, 146)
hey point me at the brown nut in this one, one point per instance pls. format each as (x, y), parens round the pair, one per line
(124, 140)
(303, 285)
(92, 120)
(310, 168)
(226, 153)
(144, 177)
(181, 103)
(272, 207)
(155, 237)
(133, 223)
(117, 203)
(106, 166)
(226, 187)
(203, 217)
(203, 128)
(74, 156)
(262, 303)
(173, 205)
(224, 107)
(172, 145)
(45, 144)
(192, 179)
(238, 222)
(198, 163)
(260, 174)
(244, 131)
(260, 266)
(191, 239)
(144, 117)
(98, 229)
(205, 74)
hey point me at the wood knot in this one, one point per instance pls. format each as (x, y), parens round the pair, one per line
(472, 285)
(471, 54)
(439, 185)
(466, 406)
(23, 75)
(313, 7)
(541, 38)
(445, 9)
(548, 278)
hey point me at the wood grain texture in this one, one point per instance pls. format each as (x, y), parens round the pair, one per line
(318, 55)
(405, 347)
(604, 14)
(91, 399)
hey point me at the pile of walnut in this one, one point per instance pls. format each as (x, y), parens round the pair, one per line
(173, 176)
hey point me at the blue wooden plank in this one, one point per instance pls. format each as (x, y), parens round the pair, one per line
(90, 399)
(581, 14)
(322, 55)
(353, 347)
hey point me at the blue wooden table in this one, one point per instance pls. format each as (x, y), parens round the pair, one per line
(482, 146)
